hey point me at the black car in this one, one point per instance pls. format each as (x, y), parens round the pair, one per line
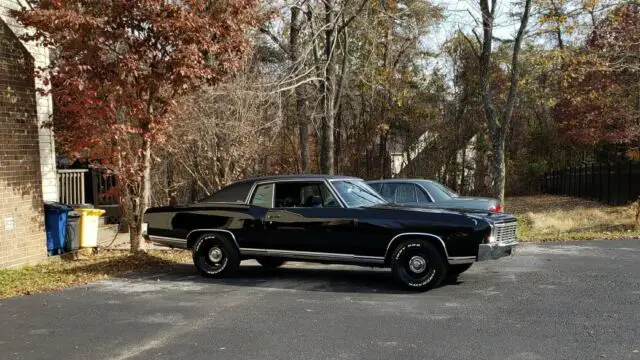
(328, 219)
(429, 193)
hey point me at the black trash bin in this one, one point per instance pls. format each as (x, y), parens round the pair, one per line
(72, 238)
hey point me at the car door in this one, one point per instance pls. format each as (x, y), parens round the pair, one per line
(306, 217)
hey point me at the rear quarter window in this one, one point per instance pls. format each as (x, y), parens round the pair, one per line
(234, 193)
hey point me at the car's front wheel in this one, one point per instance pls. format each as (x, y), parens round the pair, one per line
(215, 256)
(418, 265)
(270, 262)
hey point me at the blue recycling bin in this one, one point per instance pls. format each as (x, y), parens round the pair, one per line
(55, 221)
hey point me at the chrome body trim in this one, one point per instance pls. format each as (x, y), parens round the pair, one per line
(233, 237)
(386, 253)
(336, 194)
(457, 260)
(168, 241)
(308, 255)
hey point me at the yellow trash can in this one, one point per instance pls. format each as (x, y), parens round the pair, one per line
(89, 221)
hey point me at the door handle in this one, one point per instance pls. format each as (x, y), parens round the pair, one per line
(273, 216)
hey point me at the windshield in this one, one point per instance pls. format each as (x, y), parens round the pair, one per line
(357, 193)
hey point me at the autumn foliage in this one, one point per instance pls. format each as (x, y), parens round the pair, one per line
(118, 65)
(600, 98)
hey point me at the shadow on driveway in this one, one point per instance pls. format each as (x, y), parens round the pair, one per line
(351, 279)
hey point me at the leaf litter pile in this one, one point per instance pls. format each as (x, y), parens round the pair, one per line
(63, 272)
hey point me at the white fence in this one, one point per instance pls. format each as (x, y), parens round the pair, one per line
(71, 186)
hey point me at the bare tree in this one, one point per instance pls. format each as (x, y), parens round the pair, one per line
(498, 120)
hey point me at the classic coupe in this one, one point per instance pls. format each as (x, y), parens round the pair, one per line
(429, 193)
(328, 219)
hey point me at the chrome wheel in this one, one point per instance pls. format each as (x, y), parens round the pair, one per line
(215, 254)
(417, 264)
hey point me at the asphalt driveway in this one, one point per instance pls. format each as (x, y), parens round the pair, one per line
(577, 300)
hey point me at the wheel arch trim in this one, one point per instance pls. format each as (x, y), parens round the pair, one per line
(401, 237)
(233, 237)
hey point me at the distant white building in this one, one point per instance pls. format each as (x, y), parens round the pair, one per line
(403, 154)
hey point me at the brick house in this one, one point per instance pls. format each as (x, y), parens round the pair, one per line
(27, 153)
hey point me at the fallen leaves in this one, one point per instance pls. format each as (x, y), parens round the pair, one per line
(556, 218)
(59, 273)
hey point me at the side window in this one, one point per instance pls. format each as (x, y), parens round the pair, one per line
(263, 196)
(389, 192)
(422, 196)
(303, 194)
(405, 194)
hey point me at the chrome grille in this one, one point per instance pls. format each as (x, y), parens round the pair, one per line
(506, 232)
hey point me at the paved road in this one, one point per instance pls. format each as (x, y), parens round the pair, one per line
(557, 301)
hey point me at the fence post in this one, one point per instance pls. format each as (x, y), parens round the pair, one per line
(601, 184)
(631, 193)
(608, 183)
(593, 182)
(618, 184)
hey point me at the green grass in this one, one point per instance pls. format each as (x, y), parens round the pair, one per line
(62, 273)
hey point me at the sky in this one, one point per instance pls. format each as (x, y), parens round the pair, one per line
(458, 15)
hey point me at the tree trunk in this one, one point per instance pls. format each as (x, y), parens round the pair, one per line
(382, 153)
(329, 87)
(140, 206)
(499, 168)
(295, 56)
(338, 140)
(499, 124)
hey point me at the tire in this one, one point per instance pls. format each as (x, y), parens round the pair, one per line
(215, 263)
(418, 265)
(270, 262)
(455, 270)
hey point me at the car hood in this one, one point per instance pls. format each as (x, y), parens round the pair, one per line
(420, 208)
(491, 217)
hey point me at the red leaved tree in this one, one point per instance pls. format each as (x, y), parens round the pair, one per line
(117, 66)
(601, 100)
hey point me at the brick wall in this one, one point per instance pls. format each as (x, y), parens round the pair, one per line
(44, 102)
(22, 237)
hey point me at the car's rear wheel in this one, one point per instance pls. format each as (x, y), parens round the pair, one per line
(270, 262)
(455, 270)
(215, 256)
(418, 265)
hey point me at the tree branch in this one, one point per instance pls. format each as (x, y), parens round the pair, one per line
(352, 17)
(276, 40)
(471, 44)
(515, 65)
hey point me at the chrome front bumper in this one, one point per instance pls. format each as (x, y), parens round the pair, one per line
(494, 251)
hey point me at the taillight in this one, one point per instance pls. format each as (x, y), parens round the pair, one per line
(496, 208)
